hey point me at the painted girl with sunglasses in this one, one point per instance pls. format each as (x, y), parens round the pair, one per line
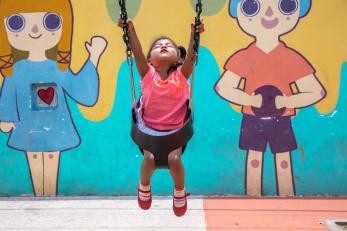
(35, 56)
(270, 81)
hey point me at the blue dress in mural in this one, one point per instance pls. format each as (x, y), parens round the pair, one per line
(34, 99)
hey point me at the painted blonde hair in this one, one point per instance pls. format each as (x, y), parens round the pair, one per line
(61, 53)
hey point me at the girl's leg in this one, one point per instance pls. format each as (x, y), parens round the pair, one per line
(147, 167)
(35, 162)
(51, 169)
(284, 174)
(144, 196)
(177, 173)
(176, 168)
(254, 172)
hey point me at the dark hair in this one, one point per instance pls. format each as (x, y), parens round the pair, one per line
(181, 51)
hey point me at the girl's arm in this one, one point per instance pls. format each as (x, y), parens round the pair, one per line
(189, 62)
(135, 45)
(228, 88)
(310, 92)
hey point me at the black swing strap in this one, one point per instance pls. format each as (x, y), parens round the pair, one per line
(128, 51)
(198, 10)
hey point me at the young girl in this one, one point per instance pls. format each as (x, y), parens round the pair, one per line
(165, 90)
(35, 55)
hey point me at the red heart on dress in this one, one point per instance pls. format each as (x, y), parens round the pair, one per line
(46, 95)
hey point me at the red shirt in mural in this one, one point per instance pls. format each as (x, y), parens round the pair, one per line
(280, 68)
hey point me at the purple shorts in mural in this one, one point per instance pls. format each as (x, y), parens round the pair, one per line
(257, 131)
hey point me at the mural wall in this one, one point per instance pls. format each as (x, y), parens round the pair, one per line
(269, 97)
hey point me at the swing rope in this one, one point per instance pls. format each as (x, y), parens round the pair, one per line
(128, 51)
(198, 10)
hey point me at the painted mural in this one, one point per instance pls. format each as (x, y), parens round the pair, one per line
(277, 80)
(67, 113)
(33, 107)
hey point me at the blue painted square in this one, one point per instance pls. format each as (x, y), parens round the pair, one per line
(44, 96)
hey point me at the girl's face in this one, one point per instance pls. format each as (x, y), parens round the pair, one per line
(268, 17)
(164, 52)
(34, 31)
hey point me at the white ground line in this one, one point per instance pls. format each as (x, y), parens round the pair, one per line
(97, 214)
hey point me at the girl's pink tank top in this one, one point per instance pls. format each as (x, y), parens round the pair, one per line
(164, 102)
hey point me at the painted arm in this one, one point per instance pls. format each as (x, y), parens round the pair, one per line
(310, 89)
(8, 105)
(135, 45)
(96, 47)
(83, 87)
(189, 62)
(228, 88)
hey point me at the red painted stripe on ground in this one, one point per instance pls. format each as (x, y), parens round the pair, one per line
(272, 213)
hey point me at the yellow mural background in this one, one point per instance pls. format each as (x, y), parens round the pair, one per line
(321, 37)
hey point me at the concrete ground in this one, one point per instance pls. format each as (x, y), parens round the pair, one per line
(122, 213)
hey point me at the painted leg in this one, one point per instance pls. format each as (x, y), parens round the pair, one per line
(176, 168)
(35, 161)
(147, 167)
(51, 169)
(254, 172)
(284, 174)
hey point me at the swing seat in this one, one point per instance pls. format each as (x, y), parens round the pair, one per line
(160, 143)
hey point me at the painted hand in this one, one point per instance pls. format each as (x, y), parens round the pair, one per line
(256, 100)
(281, 101)
(96, 47)
(6, 126)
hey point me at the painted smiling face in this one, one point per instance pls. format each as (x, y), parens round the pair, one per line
(268, 17)
(33, 31)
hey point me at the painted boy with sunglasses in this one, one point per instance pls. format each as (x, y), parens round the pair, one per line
(262, 78)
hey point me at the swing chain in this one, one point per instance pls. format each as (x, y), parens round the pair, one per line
(198, 10)
(126, 38)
